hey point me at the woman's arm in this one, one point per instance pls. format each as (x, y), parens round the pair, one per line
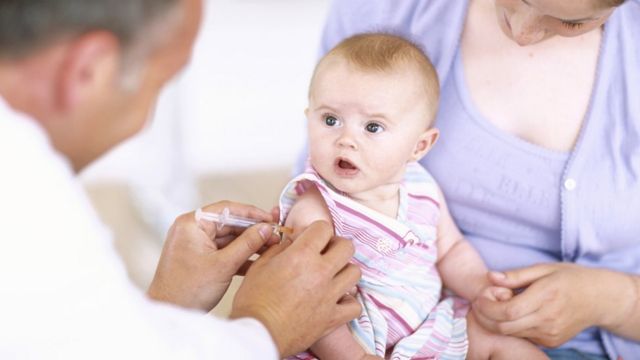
(628, 325)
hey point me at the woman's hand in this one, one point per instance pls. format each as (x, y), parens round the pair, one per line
(558, 302)
(198, 261)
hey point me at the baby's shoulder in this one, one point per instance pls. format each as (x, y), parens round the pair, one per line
(310, 202)
(419, 182)
(302, 203)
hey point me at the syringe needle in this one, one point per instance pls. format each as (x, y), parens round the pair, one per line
(225, 218)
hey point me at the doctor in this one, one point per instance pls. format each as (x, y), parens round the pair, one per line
(76, 78)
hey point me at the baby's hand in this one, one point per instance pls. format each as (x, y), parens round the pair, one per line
(496, 293)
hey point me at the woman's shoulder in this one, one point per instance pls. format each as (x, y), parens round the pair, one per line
(355, 16)
(636, 3)
(627, 16)
(621, 50)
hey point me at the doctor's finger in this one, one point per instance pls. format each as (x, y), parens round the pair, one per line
(338, 253)
(346, 280)
(347, 309)
(222, 241)
(238, 251)
(315, 237)
(238, 209)
(242, 271)
(275, 213)
(275, 250)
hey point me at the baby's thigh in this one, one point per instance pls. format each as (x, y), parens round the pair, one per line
(481, 341)
(485, 345)
(338, 345)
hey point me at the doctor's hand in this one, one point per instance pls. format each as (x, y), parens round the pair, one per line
(198, 261)
(558, 302)
(299, 290)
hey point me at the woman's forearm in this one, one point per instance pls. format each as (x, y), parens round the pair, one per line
(624, 315)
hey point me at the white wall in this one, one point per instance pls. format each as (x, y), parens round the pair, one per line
(238, 106)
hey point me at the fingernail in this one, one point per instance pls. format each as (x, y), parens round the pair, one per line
(265, 231)
(501, 294)
(498, 275)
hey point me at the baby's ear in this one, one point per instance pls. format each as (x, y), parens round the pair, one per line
(425, 142)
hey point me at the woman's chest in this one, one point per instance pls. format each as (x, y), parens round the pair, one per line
(539, 93)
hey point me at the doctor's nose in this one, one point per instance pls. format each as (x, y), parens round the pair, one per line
(526, 28)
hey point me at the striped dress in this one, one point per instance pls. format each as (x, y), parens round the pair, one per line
(405, 315)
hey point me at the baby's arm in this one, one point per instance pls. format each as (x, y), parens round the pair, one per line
(460, 266)
(309, 207)
(339, 344)
(464, 272)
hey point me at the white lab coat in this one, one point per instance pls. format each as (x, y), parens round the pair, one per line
(64, 292)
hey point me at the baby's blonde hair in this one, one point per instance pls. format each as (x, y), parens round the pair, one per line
(386, 52)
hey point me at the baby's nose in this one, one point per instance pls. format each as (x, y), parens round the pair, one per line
(347, 140)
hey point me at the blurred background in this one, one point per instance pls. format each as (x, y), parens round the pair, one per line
(229, 127)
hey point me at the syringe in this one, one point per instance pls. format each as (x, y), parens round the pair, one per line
(225, 218)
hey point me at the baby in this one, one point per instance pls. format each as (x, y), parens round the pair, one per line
(372, 101)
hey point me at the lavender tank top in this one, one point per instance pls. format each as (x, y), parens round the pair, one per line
(502, 191)
(520, 204)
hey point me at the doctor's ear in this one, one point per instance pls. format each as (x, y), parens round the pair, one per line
(425, 142)
(90, 67)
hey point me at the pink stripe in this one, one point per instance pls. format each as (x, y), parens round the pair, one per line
(395, 315)
(368, 219)
(425, 197)
(440, 336)
(299, 188)
(362, 236)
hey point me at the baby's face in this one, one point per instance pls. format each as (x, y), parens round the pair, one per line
(365, 126)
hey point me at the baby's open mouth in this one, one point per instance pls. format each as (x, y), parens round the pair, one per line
(346, 165)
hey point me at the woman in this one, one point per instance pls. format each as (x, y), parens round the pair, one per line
(539, 156)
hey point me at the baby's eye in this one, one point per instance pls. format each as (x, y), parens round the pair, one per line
(374, 128)
(330, 120)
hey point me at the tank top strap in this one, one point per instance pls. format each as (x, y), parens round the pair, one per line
(420, 201)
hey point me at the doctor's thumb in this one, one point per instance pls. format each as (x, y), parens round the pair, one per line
(248, 243)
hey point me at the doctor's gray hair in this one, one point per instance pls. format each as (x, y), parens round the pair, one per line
(28, 25)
